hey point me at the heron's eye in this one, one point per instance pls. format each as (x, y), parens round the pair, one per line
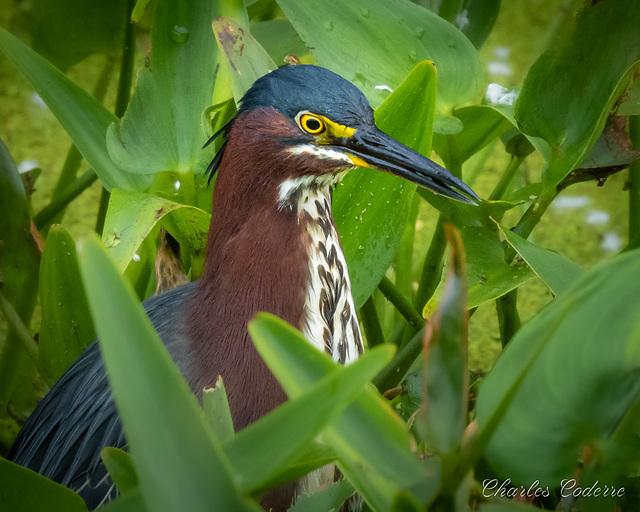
(311, 124)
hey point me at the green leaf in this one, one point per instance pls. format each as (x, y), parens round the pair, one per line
(300, 420)
(370, 207)
(279, 39)
(120, 467)
(446, 376)
(488, 275)
(477, 18)
(132, 215)
(555, 270)
(161, 129)
(19, 260)
(179, 462)
(83, 117)
(593, 69)
(575, 393)
(330, 499)
(130, 502)
(482, 124)
(216, 409)
(67, 31)
(24, 490)
(248, 61)
(66, 327)
(391, 38)
(371, 441)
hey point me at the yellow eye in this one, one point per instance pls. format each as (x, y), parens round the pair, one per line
(312, 124)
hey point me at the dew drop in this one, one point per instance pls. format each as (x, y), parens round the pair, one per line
(365, 12)
(179, 34)
(419, 32)
(413, 56)
(329, 26)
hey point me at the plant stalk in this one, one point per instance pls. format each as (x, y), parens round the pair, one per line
(122, 98)
(59, 203)
(401, 303)
(371, 323)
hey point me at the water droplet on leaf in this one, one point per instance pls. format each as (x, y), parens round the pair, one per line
(179, 34)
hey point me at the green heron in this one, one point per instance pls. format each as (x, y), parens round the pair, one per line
(272, 246)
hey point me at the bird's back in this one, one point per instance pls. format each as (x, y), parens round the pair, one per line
(64, 435)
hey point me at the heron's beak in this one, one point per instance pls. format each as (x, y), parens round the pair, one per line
(373, 148)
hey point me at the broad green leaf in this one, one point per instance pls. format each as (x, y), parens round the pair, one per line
(179, 462)
(555, 270)
(279, 39)
(315, 456)
(216, 408)
(247, 60)
(488, 275)
(66, 327)
(444, 415)
(390, 38)
(132, 215)
(19, 260)
(476, 19)
(300, 420)
(329, 499)
(593, 69)
(120, 467)
(67, 31)
(83, 117)
(161, 129)
(577, 389)
(24, 490)
(370, 207)
(481, 125)
(371, 441)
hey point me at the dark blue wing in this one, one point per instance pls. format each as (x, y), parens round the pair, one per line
(63, 436)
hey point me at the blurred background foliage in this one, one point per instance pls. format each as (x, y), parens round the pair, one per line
(559, 184)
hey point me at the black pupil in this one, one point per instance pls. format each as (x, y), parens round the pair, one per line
(313, 125)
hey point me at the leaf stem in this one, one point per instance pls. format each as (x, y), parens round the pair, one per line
(26, 340)
(393, 373)
(634, 181)
(371, 323)
(506, 179)
(122, 98)
(508, 316)
(59, 203)
(432, 266)
(401, 303)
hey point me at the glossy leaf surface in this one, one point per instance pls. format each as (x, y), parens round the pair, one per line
(391, 39)
(132, 216)
(555, 270)
(583, 352)
(179, 462)
(593, 69)
(161, 129)
(66, 327)
(370, 207)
